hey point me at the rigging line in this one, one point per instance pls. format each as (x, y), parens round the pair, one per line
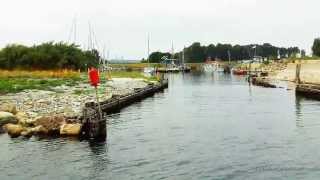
(75, 31)
(95, 39)
(70, 33)
(89, 38)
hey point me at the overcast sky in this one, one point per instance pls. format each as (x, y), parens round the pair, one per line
(123, 25)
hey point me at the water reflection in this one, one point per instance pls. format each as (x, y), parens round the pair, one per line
(299, 119)
(99, 158)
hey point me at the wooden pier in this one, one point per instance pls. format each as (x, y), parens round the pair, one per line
(94, 122)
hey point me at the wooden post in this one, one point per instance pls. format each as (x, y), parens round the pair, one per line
(298, 69)
(99, 108)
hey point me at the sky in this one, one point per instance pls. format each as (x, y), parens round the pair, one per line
(122, 26)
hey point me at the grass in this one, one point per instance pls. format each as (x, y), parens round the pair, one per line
(39, 74)
(14, 85)
(18, 80)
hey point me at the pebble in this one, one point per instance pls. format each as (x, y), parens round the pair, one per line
(67, 100)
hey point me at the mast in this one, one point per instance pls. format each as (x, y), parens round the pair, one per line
(148, 48)
(72, 38)
(172, 50)
(89, 38)
(75, 31)
(183, 55)
(104, 57)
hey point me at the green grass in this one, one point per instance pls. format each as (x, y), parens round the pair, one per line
(14, 85)
(18, 84)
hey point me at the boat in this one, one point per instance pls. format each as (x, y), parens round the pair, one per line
(212, 66)
(149, 69)
(239, 72)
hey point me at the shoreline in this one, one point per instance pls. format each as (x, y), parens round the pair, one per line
(57, 110)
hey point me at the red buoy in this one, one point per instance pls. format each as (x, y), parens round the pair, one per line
(94, 77)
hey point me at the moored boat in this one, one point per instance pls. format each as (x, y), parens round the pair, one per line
(239, 72)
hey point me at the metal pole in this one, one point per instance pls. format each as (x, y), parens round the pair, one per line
(148, 48)
(100, 111)
(229, 55)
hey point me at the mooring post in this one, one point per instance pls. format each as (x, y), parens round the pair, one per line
(98, 102)
(298, 69)
(97, 124)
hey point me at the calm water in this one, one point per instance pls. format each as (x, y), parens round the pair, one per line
(202, 127)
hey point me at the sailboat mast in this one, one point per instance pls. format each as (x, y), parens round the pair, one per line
(89, 37)
(172, 50)
(104, 57)
(148, 48)
(75, 31)
(183, 55)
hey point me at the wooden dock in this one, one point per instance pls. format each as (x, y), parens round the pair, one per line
(94, 123)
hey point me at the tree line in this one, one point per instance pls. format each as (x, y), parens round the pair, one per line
(49, 55)
(199, 53)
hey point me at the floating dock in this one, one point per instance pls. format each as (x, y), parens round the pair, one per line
(172, 70)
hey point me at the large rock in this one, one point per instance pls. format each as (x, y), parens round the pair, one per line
(14, 130)
(69, 112)
(51, 123)
(27, 133)
(22, 118)
(39, 130)
(8, 107)
(70, 129)
(6, 117)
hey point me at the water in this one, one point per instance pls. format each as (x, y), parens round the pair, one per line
(202, 127)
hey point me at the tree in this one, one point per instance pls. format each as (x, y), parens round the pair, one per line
(316, 47)
(195, 53)
(155, 57)
(303, 53)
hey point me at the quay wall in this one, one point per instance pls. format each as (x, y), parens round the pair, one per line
(310, 72)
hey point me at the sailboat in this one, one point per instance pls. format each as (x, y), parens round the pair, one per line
(184, 67)
(149, 69)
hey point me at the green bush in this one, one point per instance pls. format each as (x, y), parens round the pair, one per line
(46, 56)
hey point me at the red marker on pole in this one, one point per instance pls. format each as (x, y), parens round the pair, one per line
(94, 81)
(94, 77)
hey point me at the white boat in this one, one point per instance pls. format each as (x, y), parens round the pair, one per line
(148, 70)
(209, 67)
